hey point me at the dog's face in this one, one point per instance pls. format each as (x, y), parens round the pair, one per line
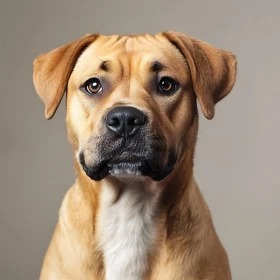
(131, 100)
(130, 106)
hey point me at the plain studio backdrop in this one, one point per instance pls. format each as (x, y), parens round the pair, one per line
(237, 156)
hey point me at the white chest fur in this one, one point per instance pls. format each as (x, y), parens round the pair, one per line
(127, 231)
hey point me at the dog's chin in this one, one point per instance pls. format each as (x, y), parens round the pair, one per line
(128, 170)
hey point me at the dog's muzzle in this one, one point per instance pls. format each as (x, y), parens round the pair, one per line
(128, 149)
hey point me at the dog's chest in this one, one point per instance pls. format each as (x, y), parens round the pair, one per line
(128, 230)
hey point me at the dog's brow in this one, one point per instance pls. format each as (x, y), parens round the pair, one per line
(157, 66)
(105, 66)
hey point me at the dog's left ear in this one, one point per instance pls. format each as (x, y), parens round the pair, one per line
(52, 71)
(213, 70)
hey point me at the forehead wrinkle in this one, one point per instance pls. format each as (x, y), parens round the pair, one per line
(121, 67)
(108, 41)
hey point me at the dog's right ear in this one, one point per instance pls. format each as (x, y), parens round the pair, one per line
(52, 71)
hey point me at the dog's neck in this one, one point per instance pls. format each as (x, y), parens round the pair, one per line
(132, 217)
(127, 229)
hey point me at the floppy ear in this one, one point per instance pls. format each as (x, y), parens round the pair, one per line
(213, 70)
(52, 71)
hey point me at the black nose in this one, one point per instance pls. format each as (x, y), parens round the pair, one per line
(125, 121)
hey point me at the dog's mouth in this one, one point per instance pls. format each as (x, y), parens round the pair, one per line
(143, 156)
(131, 166)
(125, 168)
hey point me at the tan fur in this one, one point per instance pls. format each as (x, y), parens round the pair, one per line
(187, 246)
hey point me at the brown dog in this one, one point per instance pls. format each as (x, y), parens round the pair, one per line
(135, 211)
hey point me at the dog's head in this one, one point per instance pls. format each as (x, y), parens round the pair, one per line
(131, 100)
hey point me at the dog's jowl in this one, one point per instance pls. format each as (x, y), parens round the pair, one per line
(135, 211)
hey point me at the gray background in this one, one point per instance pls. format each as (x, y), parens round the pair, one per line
(237, 159)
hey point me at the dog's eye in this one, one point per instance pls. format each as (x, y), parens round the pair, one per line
(167, 85)
(92, 86)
